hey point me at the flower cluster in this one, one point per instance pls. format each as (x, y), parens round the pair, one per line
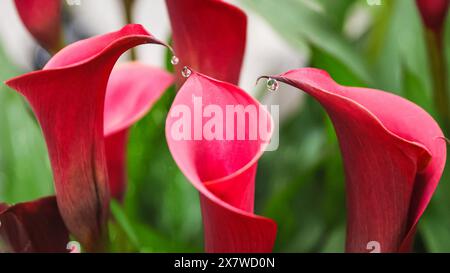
(393, 151)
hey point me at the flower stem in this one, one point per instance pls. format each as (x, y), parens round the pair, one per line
(438, 68)
(128, 6)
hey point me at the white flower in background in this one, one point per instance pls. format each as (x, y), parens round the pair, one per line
(14, 38)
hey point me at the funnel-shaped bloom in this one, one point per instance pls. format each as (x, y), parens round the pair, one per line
(68, 97)
(393, 152)
(209, 36)
(433, 12)
(33, 226)
(42, 18)
(132, 90)
(221, 166)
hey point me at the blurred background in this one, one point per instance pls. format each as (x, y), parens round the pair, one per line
(378, 44)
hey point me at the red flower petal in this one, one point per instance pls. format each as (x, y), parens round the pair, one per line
(209, 36)
(3, 206)
(33, 227)
(433, 12)
(42, 18)
(132, 90)
(115, 148)
(68, 100)
(393, 155)
(223, 171)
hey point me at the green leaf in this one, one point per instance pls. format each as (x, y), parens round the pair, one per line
(435, 223)
(24, 165)
(299, 24)
(123, 221)
(415, 91)
(129, 235)
(396, 43)
(334, 242)
(336, 11)
(337, 70)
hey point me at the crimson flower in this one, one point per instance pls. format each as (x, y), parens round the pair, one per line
(433, 12)
(209, 36)
(33, 226)
(222, 170)
(394, 155)
(132, 90)
(68, 98)
(42, 19)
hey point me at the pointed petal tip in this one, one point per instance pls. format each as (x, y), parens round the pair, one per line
(445, 139)
(225, 188)
(9, 83)
(260, 78)
(306, 71)
(88, 49)
(16, 81)
(138, 29)
(135, 28)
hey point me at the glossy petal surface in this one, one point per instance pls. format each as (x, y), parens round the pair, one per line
(393, 153)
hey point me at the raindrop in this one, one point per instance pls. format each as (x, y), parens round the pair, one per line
(0, 224)
(174, 60)
(186, 72)
(272, 85)
(73, 247)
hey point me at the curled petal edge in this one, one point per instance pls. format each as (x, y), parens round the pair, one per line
(216, 210)
(424, 153)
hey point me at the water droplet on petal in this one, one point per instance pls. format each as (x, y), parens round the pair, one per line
(174, 60)
(0, 224)
(272, 85)
(74, 247)
(186, 72)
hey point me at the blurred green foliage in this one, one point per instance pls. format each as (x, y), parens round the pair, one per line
(389, 55)
(24, 165)
(301, 185)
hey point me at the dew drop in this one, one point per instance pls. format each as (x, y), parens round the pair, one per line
(73, 247)
(174, 60)
(272, 85)
(186, 72)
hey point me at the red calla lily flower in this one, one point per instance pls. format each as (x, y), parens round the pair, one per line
(209, 36)
(33, 226)
(68, 98)
(132, 90)
(223, 171)
(433, 12)
(42, 18)
(394, 155)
